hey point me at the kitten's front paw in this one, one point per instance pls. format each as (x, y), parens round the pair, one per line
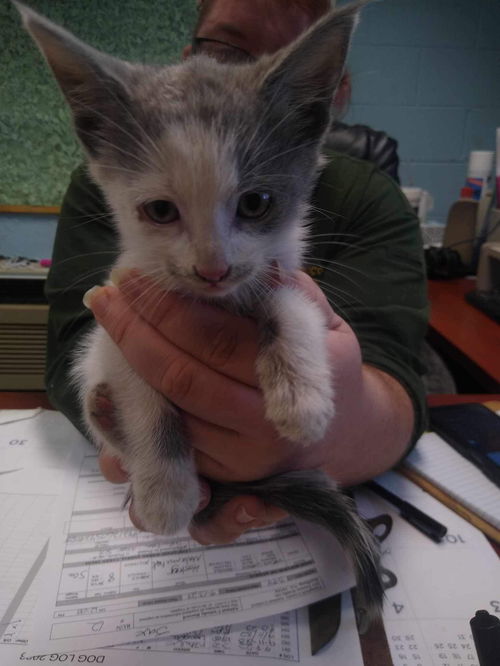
(294, 369)
(300, 412)
(165, 503)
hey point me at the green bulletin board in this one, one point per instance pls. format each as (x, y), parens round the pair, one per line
(37, 147)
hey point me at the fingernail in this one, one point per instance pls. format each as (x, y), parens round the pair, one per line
(88, 295)
(242, 516)
(118, 275)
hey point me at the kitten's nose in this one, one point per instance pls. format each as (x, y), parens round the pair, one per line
(212, 274)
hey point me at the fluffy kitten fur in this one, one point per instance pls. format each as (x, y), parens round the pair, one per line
(203, 135)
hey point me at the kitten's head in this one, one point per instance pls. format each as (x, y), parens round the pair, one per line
(207, 167)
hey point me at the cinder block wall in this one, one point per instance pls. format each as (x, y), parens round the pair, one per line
(428, 73)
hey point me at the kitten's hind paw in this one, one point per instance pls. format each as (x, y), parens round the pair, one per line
(103, 415)
(165, 502)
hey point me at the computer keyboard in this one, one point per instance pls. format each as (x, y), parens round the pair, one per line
(486, 301)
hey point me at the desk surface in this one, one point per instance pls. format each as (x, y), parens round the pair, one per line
(461, 330)
(374, 643)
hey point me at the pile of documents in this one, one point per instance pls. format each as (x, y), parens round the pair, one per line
(79, 583)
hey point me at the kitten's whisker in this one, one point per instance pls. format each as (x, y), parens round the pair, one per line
(347, 296)
(330, 269)
(84, 254)
(357, 246)
(313, 260)
(138, 125)
(99, 271)
(276, 156)
(333, 234)
(269, 109)
(107, 119)
(121, 150)
(78, 225)
(255, 149)
(117, 168)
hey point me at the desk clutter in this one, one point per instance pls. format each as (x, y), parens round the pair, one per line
(469, 242)
(22, 279)
(77, 578)
(441, 470)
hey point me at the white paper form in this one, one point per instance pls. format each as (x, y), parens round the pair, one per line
(18, 630)
(107, 583)
(276, 639)
(28, 501)
(434, 589)
(37, 439)
(12, 415)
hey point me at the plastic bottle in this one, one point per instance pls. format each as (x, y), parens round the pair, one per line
(479, 171)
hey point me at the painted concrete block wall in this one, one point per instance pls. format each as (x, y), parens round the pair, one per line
(428, 73)
(24, 235)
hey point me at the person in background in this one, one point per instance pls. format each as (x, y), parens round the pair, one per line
(365, 269)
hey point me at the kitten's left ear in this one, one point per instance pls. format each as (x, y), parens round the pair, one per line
(301, 85)
(94, 84)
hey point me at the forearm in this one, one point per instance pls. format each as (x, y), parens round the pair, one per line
(372, 430)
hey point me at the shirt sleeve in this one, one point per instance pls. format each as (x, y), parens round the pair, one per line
(84, 249)
(367, 255)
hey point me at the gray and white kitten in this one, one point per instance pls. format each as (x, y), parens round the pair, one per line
(208, 169)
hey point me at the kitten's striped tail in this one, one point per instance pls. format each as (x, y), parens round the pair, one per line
(313, 496)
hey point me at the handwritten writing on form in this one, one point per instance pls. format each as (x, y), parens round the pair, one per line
(275, 639)
(107, 583)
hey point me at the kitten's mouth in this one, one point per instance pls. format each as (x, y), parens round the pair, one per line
(216, 289)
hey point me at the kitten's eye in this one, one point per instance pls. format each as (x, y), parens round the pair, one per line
(253, 205)
(161, 212)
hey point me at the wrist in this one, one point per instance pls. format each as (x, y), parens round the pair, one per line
(372, 429)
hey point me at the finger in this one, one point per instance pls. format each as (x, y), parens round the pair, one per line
(225, 455)
(188, 383)
(224, 341)
(111, 469)
(234, 518)
(133, 518)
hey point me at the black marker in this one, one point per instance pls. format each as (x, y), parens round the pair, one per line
(486, 633)
(427, 525)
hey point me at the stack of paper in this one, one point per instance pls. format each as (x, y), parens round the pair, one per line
(79, 583)
(436, 461)
(104, 584)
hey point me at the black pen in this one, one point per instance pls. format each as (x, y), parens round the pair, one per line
(427, 525)
(486, 633)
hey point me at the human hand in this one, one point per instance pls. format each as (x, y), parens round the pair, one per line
(203, 360)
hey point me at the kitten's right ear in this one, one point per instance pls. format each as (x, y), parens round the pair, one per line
(304, 75)
(93, 83)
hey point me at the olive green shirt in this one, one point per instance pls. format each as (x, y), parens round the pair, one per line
(366, 254)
